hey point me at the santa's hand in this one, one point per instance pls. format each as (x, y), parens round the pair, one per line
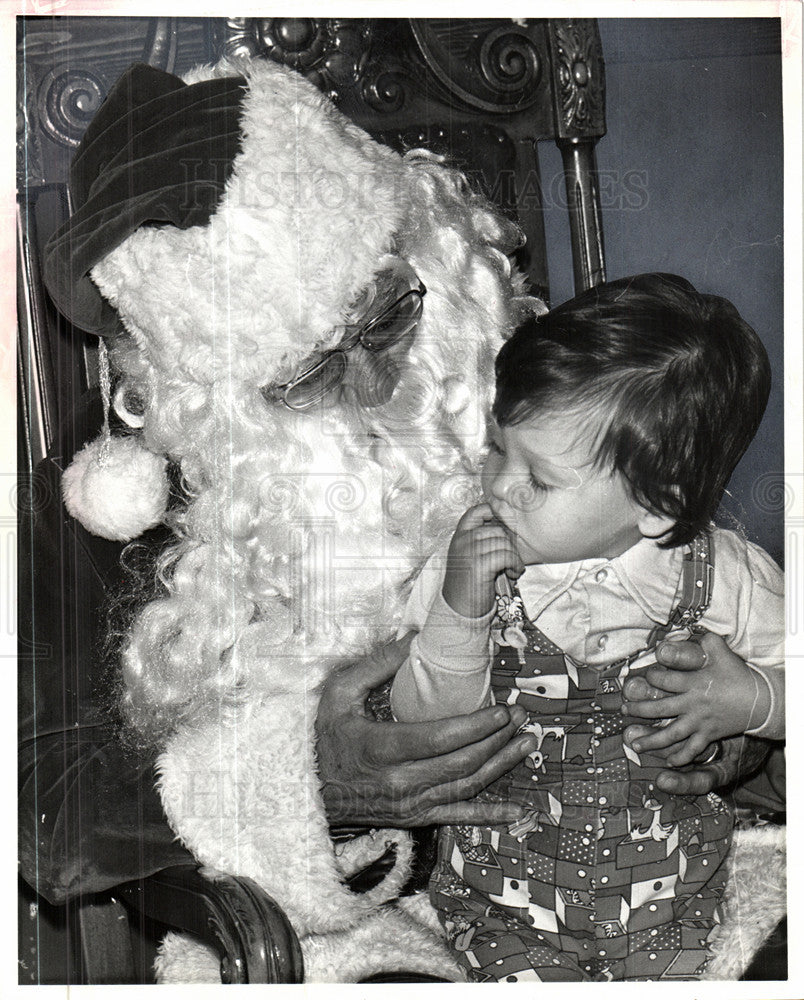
(737, 757)
(410, 774)
(479, 551)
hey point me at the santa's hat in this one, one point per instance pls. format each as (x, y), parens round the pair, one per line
(226, 223)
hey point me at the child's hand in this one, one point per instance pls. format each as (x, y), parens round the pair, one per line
(722, 698)
(480, 550)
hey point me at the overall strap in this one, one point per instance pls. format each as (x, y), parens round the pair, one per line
(697, 578)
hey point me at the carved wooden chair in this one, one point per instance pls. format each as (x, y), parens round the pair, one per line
(481, 91)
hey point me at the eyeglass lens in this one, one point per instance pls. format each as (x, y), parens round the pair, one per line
(393, 324)
(316, 383)
(381, 333)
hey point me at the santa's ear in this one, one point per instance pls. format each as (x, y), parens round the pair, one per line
(128, 405)
(653, 524)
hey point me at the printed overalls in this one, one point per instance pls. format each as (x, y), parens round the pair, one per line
(607, 877)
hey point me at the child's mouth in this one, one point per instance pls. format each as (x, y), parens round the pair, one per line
(504, 524)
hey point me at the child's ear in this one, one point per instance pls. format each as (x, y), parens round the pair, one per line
(653, 525)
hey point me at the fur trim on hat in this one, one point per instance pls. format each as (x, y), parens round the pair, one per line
(311, 206)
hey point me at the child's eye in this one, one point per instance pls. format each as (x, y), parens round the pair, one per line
(538, 485)
(493, 446)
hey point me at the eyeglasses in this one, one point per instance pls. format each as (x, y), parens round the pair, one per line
(389, 326)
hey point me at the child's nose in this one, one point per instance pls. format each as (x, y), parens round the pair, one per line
(502, 484)
(495, 488)
(515, 490)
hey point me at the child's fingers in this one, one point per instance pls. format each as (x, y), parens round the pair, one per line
(487, 539)
(664, 708)
(466, 541)
(486, 530)
(678, 730)
(496, 555)
(694, 746)
(474, 517)
(468, 546)
(681, 655)
(632, 733)
(638, 689)
(672, 681)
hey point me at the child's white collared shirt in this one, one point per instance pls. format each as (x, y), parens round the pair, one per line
(597, 611)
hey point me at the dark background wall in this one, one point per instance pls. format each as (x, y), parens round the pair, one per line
(691, 183)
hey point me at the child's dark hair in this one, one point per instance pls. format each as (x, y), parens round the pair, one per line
(681, 378)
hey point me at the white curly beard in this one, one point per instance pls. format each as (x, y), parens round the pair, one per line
(353, 505)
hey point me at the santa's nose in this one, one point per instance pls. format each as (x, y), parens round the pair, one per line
(370, 378)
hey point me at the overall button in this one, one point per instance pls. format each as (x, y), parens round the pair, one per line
(601, 641)
(601, 575)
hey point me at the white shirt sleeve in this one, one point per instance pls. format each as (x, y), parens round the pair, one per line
(448, 670)
(753, 626)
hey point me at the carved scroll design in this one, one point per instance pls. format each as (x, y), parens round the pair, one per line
(60, 101)
(67, 100)
(509, 62)
(384, 90)
(487, 63)
(330, 52)
(578, 71)
(30, 167)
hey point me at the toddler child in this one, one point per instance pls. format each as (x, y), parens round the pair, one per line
(618, 419)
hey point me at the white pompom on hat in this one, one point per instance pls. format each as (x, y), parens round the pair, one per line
(116, 488)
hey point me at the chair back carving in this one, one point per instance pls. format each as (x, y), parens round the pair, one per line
(482, 92)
